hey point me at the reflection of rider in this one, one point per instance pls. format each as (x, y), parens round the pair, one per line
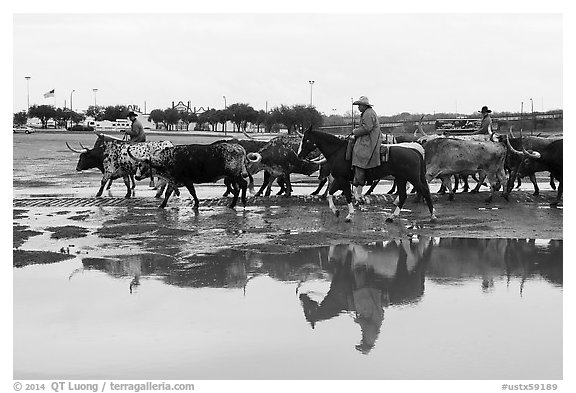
(365, 280)
(369, 311)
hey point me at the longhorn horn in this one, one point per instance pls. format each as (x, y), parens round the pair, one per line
(319, 160)
(75, 150)
(530, 154)
(535, 155)
(511, 148)
(299, 133)
(254, 157)
(420, 127)
(83, 147)
(248, 136)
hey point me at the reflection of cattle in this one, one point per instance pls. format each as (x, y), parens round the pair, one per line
(454, 259)
(279, 159)
(367, 278)
(111, 157)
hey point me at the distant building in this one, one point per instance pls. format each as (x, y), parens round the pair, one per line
(118, 124)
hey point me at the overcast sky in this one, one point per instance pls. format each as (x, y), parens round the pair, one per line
(418, 63)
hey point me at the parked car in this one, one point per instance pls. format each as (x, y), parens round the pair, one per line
(23, 130)
(79, 127)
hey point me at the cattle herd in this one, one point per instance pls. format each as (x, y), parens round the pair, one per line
(499, 160)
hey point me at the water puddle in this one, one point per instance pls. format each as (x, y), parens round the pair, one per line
(410, 308)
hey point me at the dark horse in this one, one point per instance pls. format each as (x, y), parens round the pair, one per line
(405, 164)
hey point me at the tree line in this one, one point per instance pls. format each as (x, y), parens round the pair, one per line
(241, 115)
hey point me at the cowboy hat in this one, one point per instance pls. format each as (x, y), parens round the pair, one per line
(131, 113)
(363, 100)
(485, 110)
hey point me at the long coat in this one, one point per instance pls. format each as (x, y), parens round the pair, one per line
(486, 122)
(366, 153)
(136, 132)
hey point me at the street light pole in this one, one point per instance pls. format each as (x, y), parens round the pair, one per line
(95, 90)
(353, 123)
(28, 89)
(71, 110)
(311, 84)
(71, 100)
(532, 105)
(225, 107)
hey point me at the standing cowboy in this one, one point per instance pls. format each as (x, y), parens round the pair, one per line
(367, 139)
(486, 126)
(136, 131)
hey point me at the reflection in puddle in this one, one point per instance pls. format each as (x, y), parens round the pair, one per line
(410, 307)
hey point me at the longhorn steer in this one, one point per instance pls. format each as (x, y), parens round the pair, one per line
(191, 164)
(548, 158)
(279, 158)
(112, 158)
(516, 163)
(446, 157)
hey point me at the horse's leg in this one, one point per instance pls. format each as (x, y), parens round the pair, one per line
(424, 191)
(320, 185)
(399, 202)
(372, 187)
(332, 189)
(330, 181)
(345, 187)
(393, 189)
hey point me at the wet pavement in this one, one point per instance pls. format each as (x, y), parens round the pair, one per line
(280, 289)
(417, 308)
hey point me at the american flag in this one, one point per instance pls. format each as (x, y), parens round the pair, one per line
(49, 94)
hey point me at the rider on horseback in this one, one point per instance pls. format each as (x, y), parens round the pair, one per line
(367, 139)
